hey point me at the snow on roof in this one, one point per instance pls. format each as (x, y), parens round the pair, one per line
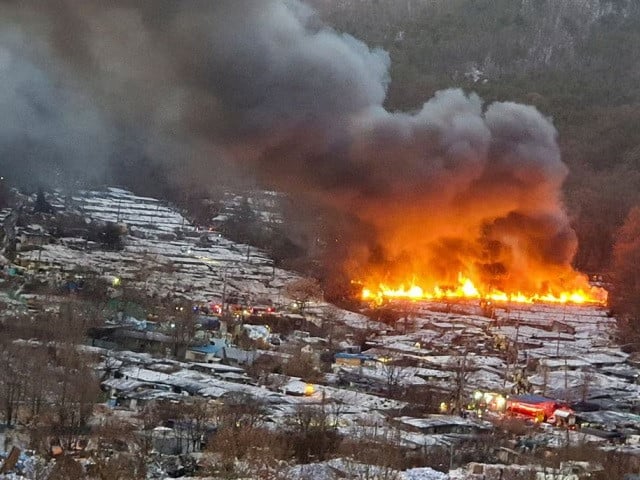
(621, 370)
(577, 381)
(381, 373)
(611, 418)
(295, 387)
(162, 263)
(605, 357)
(486, 379)
(217, 367)
(257, 332)
(424, 473)
(220, 388)
(364, 401)
(237, 354)
(233, 376)
(153, 394)
(421, 440)
(123, 385)
(360, 322)
(441, 420)
(448, 325)
(145, 375)
(472, 360)
(181, 267)
(143, 335)
(213, 391)
(564, 362)
(207, 349)
(431, 373)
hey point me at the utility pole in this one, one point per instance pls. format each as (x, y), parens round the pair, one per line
(451, 456)
(516, 340)
(566, 382)
(564, 314)
(224, 290)
(118, 213)
(461, 380)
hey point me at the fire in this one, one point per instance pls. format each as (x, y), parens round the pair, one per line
(466, 289)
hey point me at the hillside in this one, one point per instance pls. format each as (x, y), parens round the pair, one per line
(578, 61)
(430, 357)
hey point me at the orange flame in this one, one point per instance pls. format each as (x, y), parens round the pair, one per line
(466, 289)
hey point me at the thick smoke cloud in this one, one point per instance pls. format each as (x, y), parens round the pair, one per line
(212, 89)
(46, 131)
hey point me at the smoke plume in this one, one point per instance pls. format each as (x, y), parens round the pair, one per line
(210, 90)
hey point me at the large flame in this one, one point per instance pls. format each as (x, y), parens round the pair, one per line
(466, 289)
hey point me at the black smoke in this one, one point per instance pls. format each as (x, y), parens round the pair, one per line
(210, 91)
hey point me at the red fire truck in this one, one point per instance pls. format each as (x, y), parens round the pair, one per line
(540, 409)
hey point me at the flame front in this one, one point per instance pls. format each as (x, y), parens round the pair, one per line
(466, 289)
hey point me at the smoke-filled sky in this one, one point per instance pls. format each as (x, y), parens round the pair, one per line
(209, 89)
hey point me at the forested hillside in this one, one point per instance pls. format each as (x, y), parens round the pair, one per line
(578, 61)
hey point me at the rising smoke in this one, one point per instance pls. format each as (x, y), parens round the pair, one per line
(210, 90)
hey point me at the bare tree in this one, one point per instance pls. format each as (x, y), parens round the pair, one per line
(375, 451)
(120, 454)
(268, 459)
(12, 381)
(329, 322)
(408, 313)
(73, 321)
(67, 468)
(240, 429)
(72, 393)
(303, 366)
(394, 373)
(121, 466)
(149, 418)
(313, 432)
(588, 378)
(545, 378)
(263, 367)
(182, 326)
(191, 421)
(461, 367)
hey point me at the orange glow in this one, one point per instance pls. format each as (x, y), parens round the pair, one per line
(466, 289)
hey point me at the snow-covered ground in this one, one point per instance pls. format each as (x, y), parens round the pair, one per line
(164, 254)
(565, 352)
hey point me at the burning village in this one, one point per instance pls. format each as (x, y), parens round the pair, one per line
(320, 239)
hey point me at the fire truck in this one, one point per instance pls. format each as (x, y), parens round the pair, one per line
(540, 409)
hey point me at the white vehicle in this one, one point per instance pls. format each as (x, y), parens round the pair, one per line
(562, 417)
